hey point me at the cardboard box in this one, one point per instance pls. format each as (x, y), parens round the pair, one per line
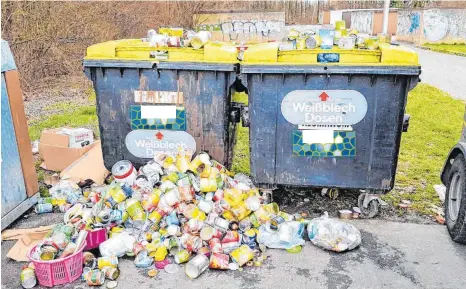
(89, 166)
(55, 151)
(78, 137)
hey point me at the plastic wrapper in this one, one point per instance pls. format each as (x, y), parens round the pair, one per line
(288, 235)
(333, 235)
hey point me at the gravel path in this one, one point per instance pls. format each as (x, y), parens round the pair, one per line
(445, 71)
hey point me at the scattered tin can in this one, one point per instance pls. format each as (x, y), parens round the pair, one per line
(242, 255)
(28, 277)
(219, 261)
(215, 245)
(110, 261)
(43, 208)
(182, 256)
(111, 273)
(95, 278)
(124, 172)
(197, 266)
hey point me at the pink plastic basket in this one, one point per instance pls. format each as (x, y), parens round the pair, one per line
(60, 271)
(95, 237)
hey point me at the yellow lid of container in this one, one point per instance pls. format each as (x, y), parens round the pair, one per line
(137, 50)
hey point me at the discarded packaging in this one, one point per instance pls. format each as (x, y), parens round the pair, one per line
(334, 235)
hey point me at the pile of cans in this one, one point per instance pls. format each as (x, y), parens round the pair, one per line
(171, 211)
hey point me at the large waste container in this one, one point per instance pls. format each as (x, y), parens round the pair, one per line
(327, 125)
(146, 105)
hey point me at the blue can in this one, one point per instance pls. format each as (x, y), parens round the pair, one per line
(172, 219)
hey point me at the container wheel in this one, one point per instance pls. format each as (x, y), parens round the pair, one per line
(455, 200)
(372, 208)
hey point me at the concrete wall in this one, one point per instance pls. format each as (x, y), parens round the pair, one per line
(417, 26)
(362, 21)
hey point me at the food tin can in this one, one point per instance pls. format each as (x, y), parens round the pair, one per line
(124, 172)
(193, 226)
(242, 255)
(172, 197)
(208, 185)
(156, 215)
(135, 210)
(198, 164)
(218, 195)
(110, 261)
(150, 201)
(205, 206)
(182, 256)
(208, 232)
(197, 266)
(95, 278)
(44, 208)
(47, 200)
(111, 273)
(186, 193)
(28, 277)
(221, 224)
(215, 245)
(87, 257)
(219, 261)
(190, 242)
(204, 251)
(249, 238)
(231, 241)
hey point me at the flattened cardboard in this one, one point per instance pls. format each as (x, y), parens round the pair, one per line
(89, 166)
(59, 157)
(21, 248)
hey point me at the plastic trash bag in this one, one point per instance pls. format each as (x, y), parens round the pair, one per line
(333, 235)
(288, 235)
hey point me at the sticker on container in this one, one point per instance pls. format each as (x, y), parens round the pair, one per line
(343, 144)
(324, 107)
(178, 122)
(145, 143)
(165, 97)
(158, 111)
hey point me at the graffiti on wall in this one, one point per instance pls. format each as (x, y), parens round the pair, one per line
(436, 24)
(237, 26)
(409, 23)
(362, 21)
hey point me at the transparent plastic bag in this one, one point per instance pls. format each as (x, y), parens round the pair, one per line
(288, 235)
(333, 235)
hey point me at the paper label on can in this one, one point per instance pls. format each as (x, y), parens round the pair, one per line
(145, 143)
(324, 107)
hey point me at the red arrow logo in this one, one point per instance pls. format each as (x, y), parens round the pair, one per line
(323, 96)
(159, 135)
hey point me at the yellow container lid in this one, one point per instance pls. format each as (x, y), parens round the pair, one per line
(138, 50)
(385, 55)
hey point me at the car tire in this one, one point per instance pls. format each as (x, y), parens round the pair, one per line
(456, 188)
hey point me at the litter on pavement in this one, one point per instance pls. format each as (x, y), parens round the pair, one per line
(174, 210)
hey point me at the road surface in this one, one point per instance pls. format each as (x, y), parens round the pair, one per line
(392, 255)
(445, 71)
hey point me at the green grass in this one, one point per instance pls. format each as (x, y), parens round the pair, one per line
(241, 150)
(84, 116)
(459, 49)
(435, 127)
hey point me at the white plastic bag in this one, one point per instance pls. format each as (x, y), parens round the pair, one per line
(333, 235)
(288, 235)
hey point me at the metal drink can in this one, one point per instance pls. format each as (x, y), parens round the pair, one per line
(182, 256)
(219, 261)
(110, 261)
(215, 245)
(43, 208)
(28, 278)
(197, 266)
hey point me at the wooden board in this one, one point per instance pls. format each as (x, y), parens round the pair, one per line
(21, 129)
